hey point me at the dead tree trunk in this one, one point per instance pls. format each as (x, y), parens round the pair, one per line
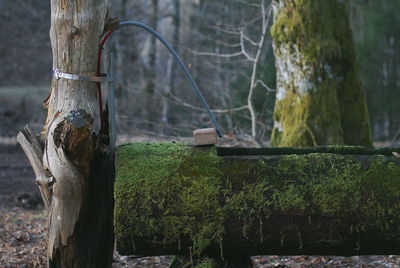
(72, 163)
(175, 199)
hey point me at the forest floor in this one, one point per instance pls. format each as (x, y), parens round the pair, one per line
(23, 228)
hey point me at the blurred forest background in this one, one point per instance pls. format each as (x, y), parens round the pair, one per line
(227, 50)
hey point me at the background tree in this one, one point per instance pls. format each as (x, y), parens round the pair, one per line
(319, 96)
(242, 91)
(376, 25)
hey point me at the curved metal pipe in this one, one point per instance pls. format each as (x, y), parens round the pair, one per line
(181, 64)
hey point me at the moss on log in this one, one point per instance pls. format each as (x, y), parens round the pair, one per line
(172, 198)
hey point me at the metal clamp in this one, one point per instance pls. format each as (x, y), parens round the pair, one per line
(57, 74)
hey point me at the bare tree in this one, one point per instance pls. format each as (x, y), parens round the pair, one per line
(171, 69)
(251, 50)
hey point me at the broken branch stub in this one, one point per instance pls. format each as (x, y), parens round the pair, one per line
(33, 149)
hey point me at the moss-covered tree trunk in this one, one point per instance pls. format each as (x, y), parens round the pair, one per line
(177, 199)
(74, 167)
(319, 97)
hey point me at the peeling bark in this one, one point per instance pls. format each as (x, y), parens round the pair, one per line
(70, 166)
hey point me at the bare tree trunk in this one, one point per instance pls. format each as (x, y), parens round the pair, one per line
(152, 100)
(120, 50)
(225, 98)
(171, 72)
(73, 167)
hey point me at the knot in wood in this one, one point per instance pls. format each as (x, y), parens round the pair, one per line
(75, 30)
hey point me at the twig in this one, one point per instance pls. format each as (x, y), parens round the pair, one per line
(262, 83)
(229, 55)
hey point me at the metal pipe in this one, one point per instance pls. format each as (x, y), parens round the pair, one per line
(181, 64)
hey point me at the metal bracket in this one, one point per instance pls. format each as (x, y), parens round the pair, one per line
(57, 74)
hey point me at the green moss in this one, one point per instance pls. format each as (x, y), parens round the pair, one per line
(245, 194)
(165, 189)
(319, 185)
(165, 192)
(338, 186)
(323, 102)
(309, 120)
(206, 264)
(316, 27)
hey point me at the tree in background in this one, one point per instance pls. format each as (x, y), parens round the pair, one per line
(319, 98)
(376, 28)
(172, 66)
(235, 52)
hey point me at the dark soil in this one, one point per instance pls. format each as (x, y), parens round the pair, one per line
(16, 175)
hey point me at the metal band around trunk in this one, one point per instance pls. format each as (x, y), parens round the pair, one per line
(57, 74)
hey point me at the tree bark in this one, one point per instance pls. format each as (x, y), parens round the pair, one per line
(120, 48)
(76, 173)
(319, 98)
(166, 114)
(152, 99)
(175, 199)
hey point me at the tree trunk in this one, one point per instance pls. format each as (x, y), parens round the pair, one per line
(171, 68)
(73, 167)
(175, 199)
(152, 99)
(120, 48)
(319, 98)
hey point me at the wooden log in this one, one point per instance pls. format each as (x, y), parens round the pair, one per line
(176, 199)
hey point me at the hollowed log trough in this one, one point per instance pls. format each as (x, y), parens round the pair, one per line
(177, 199)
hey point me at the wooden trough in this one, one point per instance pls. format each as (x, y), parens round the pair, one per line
(177, 199)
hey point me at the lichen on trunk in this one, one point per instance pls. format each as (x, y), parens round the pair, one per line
(319, 98)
